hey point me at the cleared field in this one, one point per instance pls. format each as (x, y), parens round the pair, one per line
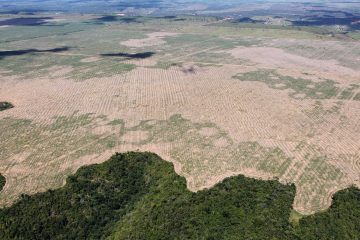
(215, 100)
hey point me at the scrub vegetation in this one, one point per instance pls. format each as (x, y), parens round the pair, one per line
(301, 88)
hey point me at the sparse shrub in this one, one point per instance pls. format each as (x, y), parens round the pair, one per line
(5, 106)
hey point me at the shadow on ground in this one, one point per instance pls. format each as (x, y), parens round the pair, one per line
(30, 21)
(4, 54)
(111, 18)
(128, 56)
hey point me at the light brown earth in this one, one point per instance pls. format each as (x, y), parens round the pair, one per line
(153, 39)
(278, 58)
(208, 123)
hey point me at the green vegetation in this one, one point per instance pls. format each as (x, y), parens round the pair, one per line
(348, 93)
(2, 182)
(354, 35)
(295, 218)
(166, 64)
(301, 88)
(357, 97)
(36, 33)
(204, 150)
(139, 196)
(92, 200)
(318, 112)
(5, 106)
(73, 67)
(340, 221)
(50, 150)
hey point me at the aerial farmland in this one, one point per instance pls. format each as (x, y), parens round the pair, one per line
(267, 97)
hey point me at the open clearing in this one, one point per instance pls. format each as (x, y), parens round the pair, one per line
(215, 101)
(155, 38)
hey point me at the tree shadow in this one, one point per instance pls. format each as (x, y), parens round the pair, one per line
(111, 18)
(23, 21)
(107, 19)
(128, 56)
(4, 54)
(247, 20)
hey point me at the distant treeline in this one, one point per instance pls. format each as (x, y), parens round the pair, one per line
(139, 196)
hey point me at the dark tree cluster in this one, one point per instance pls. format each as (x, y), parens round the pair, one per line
(5, 106)
(2, 182)
(139, 196)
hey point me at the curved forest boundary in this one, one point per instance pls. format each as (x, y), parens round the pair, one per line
(139, 196)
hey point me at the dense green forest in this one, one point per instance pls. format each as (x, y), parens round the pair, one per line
(139, 196)
(340, 221)
(5, 105)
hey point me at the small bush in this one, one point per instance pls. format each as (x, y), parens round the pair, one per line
(5, 106)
